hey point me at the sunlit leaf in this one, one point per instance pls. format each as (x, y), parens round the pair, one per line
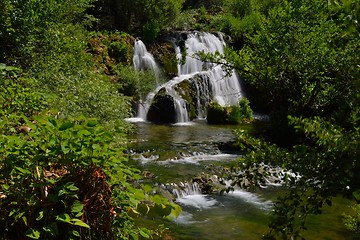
(63, 218)
(78, 222)
(33, 233)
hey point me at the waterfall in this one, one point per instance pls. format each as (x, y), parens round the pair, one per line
(207, 81)
(143, 60)
(225, 89)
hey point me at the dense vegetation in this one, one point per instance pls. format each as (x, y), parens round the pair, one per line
(67, 84)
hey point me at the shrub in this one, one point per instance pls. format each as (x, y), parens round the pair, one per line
(119, 51)
(229, 115)
(69, 179)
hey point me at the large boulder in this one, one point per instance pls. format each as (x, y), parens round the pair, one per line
(162, 109)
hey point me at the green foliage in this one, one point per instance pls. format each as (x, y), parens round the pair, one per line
(134, 83)
(151, 30)
(119, 50)
(159, 14)
(56, 181)
(300, 61)
(352, 221)
(42, 173)
(19, 95)
(326, 161)
(229, 115)
(81, 91)
(25, 25)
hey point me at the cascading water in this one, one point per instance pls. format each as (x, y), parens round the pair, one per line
(207, 81)
(143, 60)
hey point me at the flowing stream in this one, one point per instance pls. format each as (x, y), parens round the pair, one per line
(173, 154)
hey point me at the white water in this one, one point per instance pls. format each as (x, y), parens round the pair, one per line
(226, 89)
(190, 195)
(223, 88)
(143, 60)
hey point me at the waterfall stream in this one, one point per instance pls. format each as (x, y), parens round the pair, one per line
(173, 154)
(210, 81)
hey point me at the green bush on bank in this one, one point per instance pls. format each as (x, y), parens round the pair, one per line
(231, 114)
(69, 178)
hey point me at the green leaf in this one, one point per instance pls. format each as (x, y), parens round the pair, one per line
(52, 122)
(33, 233)
(134, 236)
(96, 147)
(71, 186)
(52, 229)
(40, 216)
(77, 208)
(144, 234)
(92, 123)
(23, 171)
(63, 218)
(83, 132)
(75, 233)
(356, 195)
(78, 222)
(25, 220)
(65, 126)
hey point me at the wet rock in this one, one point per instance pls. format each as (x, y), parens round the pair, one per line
(162, 109)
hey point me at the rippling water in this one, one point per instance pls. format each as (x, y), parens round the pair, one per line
(175, 154)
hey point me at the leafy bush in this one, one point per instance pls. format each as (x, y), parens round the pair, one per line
(229, 115)
(19, 95)
(151, 30)
(119, 50)
(69, 179)
(326, 162)
(136, 84)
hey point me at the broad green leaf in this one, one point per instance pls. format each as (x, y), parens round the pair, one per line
(65, 126)
(52, 229)
(96, 146)
(356, 195)
(78, 222)
(11, 68)
(143, 209)
(134, 236)
(33, 233)
(63, 218)
(52, 122)
(83, 132)
(77, 207)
